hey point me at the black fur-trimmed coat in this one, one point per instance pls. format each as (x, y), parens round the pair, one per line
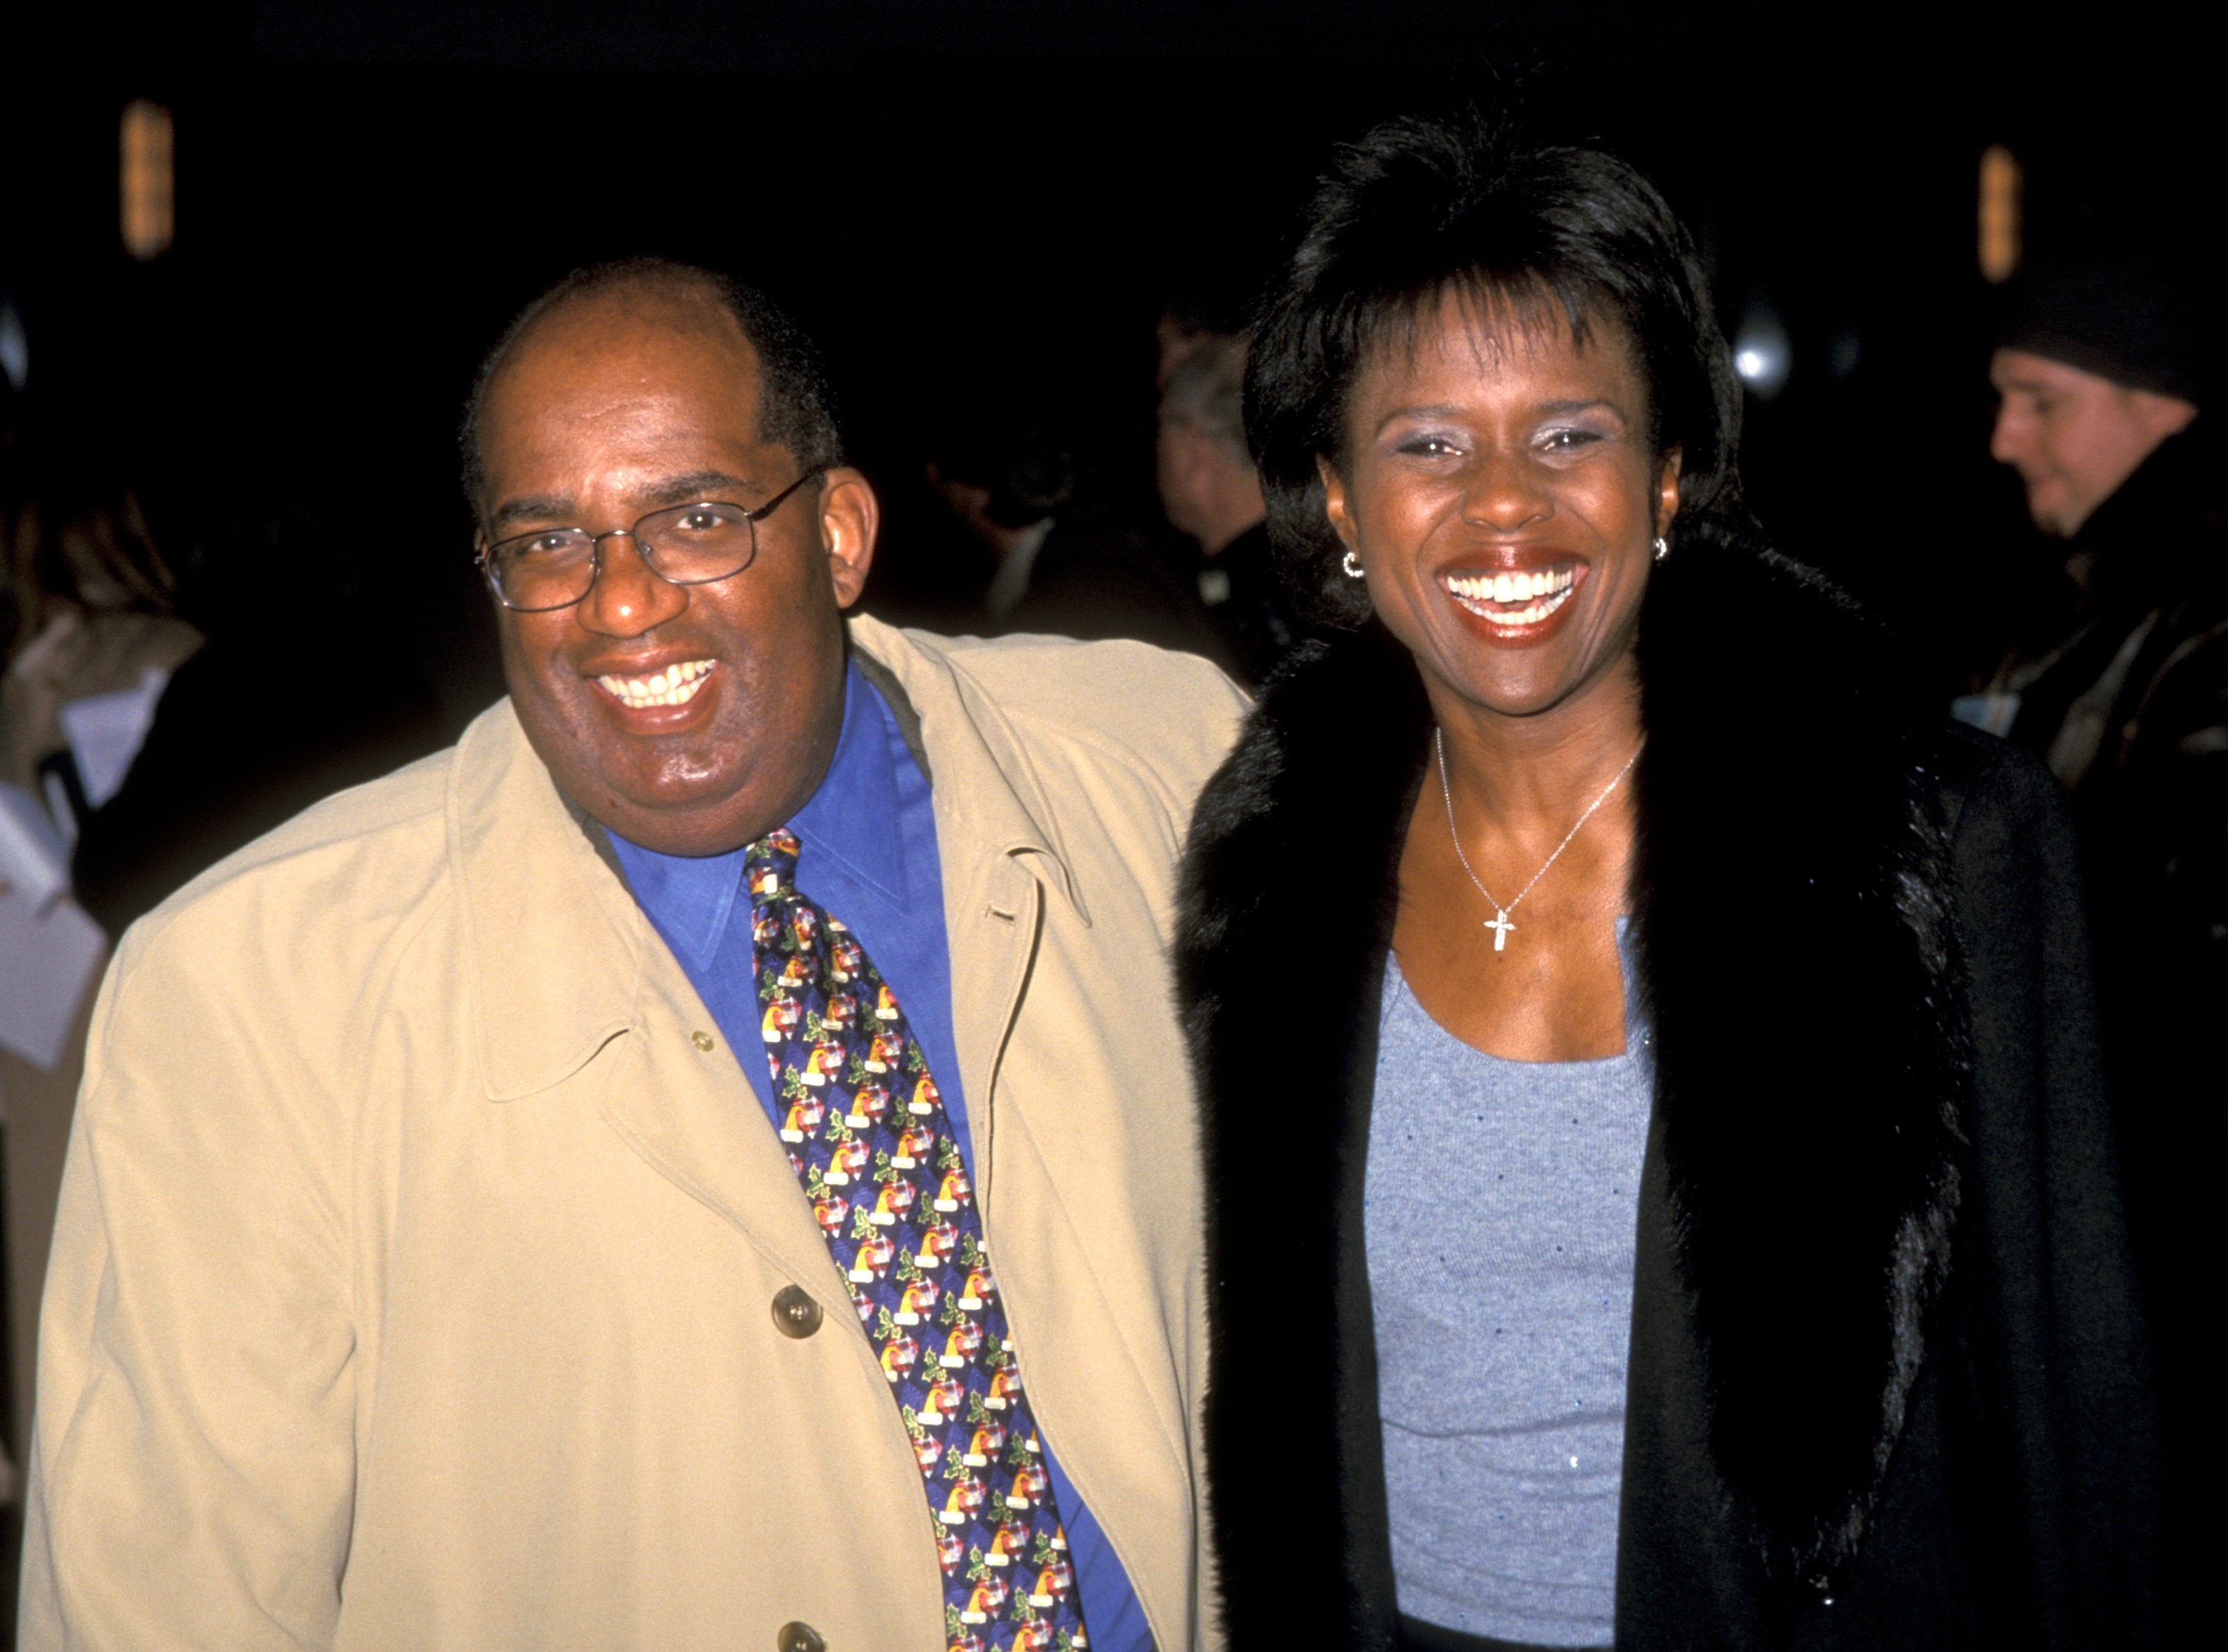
(1887, 1386)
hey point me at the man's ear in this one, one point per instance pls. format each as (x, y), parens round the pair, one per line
(850, 516)
(2161, 415)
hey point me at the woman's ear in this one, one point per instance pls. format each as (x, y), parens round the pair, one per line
(1667, 491)
(1334, 502)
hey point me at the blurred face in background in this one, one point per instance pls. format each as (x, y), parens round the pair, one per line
(2073, 437)
(688, 719)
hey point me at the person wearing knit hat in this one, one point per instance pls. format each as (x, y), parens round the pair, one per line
(2104, 364)
(2100, 357)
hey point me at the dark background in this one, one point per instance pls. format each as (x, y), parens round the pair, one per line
(956, 193)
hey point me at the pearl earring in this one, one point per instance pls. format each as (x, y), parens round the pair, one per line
(1352, 564)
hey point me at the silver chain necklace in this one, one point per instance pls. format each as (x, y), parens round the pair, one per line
(1499, 924)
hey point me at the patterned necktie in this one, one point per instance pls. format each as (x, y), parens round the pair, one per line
(867, 1136)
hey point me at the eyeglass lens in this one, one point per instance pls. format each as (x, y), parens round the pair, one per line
(688, 544)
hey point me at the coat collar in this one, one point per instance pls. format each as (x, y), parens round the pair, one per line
(559, 948)
(1801, 976)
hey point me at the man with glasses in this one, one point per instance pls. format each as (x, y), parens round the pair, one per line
(707, 1161)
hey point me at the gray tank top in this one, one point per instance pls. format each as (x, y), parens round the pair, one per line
(1501, 1202)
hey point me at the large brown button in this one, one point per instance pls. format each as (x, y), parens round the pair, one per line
(797, 1315)
(799, 1637)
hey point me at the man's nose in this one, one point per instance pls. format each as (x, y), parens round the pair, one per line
(628, 598)
(2007, 439)
(1505, 492)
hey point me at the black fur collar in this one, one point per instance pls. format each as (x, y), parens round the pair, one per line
(1790, 921)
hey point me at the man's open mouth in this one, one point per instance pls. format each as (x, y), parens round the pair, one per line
(675, 685)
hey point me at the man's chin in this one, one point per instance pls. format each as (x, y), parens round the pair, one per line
(2052, 514)
(716, 827)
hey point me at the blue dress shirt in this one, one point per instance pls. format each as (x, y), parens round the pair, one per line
(868, 857)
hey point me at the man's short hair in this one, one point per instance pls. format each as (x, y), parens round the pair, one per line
(797, 406)
(1207, 391)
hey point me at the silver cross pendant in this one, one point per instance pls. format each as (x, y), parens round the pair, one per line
(1500, 925)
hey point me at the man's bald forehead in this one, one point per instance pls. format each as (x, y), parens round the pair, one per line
(677, 303)
(795, 408)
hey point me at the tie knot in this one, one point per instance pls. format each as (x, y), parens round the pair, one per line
(769, 867)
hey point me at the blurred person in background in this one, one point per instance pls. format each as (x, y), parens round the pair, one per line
(231, 753)
(1212, 493)
(1061, 565)
(1007, 475)
(89, 637)
(2105, 362)
(89, 606)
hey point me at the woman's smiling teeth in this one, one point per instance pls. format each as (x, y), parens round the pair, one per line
(1523, 599)
(675, 685)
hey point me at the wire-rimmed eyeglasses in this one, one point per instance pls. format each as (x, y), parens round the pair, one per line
(683, 544)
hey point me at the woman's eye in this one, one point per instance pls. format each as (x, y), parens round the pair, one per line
(1566, 441)
(1426, 447)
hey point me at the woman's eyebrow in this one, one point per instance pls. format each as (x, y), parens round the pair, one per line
(1448, 411)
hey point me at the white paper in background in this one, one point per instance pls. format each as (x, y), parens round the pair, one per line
(106, 730)
(34, 859)
(46, 962)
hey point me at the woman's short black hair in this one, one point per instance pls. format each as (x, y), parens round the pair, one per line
(1421, 207)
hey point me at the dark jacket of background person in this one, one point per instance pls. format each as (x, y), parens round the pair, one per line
(2128, 705)
(1252, 619)
(1888, 1388)
(1096, 582)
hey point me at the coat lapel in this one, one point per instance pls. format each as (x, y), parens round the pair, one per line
(567, 971)
(573, 984)
(1000, 850)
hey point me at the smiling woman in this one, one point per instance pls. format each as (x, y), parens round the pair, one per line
(1640, 991)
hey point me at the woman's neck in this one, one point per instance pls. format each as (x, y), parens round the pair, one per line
(1523, 772)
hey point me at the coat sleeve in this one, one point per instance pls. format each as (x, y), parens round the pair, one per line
(193, 1455)
(2052, 1316)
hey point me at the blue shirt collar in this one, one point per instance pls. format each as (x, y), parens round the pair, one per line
(851, 818)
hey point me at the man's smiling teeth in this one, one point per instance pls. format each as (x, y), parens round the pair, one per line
(1541, 591)
(675, 685)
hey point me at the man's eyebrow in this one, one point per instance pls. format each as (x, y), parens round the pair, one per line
(695, 485)
(535, 508)
(685, 489)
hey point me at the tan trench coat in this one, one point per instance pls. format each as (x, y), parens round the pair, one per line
(413, 1278)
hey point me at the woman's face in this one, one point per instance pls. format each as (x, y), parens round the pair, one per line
(1501, 493)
